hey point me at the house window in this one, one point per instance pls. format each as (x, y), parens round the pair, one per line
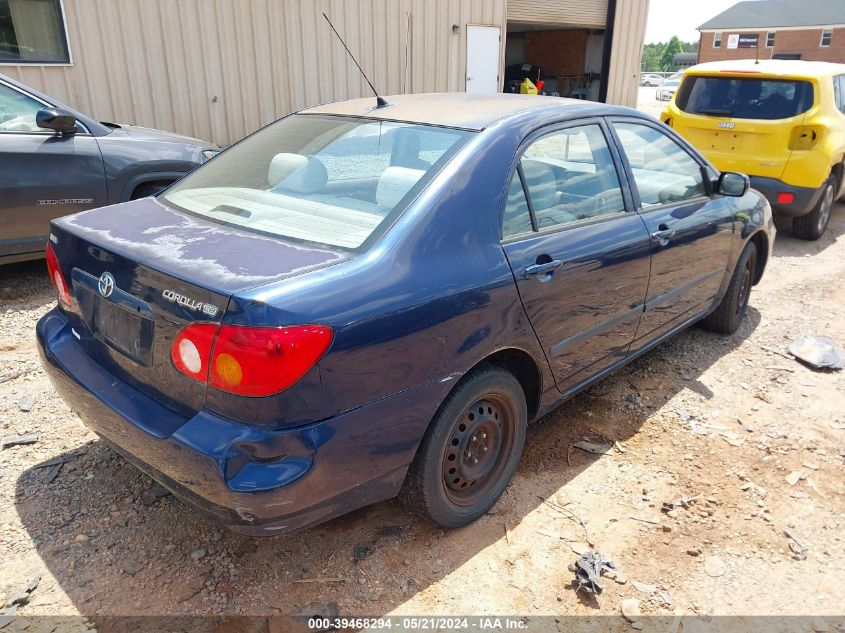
(827, 35)
(32, 32)
(770, 39)
(717, 39)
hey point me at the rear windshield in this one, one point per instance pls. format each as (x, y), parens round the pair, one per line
(330, 180)
(745, 98)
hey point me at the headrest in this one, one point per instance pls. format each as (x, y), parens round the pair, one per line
(395, 183)
(297, 173)
(541, 182)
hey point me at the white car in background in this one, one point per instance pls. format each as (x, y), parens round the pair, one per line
(650, 79)
(667, 90)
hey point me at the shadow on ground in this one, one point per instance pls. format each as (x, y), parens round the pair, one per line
(787, 245)
(116, 546)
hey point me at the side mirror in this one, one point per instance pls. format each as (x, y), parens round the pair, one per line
(733, 184)
(56, 119)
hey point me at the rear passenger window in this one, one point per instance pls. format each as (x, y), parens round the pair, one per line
(663, 170)
(570, 176)
(517, 219)
(839, 91)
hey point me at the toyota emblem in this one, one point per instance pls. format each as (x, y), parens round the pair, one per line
(106, 284)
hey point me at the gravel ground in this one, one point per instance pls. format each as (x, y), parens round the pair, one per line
(750, 439)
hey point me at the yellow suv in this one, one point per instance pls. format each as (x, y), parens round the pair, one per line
(781, 122)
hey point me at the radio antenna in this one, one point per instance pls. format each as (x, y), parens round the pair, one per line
(381, 102)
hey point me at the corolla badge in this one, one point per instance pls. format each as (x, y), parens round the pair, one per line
(192, 304)
(727, 125)
(106, 284)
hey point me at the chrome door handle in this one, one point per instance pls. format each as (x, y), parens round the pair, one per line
(542, 269)
(663, 235)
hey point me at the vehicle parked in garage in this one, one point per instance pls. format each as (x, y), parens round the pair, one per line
(650, 80)
(781, 121)
(363, 300)
(666, 90)
(55, 161)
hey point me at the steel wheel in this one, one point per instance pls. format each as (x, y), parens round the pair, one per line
(478, 450)
(746, 281)
(470, 450)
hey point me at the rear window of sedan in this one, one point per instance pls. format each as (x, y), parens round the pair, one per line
(330, 180)
(745, 98)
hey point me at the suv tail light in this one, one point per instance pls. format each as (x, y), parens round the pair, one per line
(55, 272)
(249, 361)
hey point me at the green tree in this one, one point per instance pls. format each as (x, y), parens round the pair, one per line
(669, 51)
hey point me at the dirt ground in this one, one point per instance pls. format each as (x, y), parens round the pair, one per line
(753, 439)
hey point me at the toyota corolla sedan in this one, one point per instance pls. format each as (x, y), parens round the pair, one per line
(358, 302)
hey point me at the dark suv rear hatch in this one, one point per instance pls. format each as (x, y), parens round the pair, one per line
(140, 272)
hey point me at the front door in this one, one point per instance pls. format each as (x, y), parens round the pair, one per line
(580, 260)
(691, 232)
(42, 176)
(483, 47)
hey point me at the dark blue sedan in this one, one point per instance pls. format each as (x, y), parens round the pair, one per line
(358, 302)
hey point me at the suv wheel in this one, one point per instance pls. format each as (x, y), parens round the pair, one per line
(470, 452)
(813, 225)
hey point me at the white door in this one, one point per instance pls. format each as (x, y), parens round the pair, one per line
(483, 52)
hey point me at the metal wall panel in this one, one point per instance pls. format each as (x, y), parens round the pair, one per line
(627, 51)
(592, 13)
(219, 69)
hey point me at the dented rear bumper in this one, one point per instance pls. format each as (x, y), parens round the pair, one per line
(256, 481)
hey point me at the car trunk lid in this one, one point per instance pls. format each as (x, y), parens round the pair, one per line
(140, 272)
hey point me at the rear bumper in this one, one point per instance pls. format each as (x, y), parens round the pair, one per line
(805, 197)
(257, 482)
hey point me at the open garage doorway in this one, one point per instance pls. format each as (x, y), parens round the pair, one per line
(566, 60)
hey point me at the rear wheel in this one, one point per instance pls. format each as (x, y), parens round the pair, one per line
(727, 318)
(812, 226)
(470, 451)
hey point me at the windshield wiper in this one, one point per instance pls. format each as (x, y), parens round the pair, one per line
(714, 112)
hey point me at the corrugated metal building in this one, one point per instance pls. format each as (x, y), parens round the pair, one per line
(219, 69)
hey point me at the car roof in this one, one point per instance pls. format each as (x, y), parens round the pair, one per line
(463, 110)
(770, 67)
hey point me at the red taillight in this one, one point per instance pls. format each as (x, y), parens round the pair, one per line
(786, 198)
(249, 361)
(191, 350)
(57, 278)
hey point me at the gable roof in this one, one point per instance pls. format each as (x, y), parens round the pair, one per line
(762, 14)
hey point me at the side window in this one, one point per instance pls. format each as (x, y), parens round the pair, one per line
(663, 171)
(17, 111)
(517, 220)
(570, 176)
(839, 91)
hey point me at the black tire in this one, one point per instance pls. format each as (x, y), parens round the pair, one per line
(728, 316)
(444, 484)
(812, 226)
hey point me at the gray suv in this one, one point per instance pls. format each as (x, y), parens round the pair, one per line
(55, 161)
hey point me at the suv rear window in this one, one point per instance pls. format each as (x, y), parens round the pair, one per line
(745, 98)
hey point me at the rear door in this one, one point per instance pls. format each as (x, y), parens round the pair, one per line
(580, 259)
(42, 176)
(743, 123)
(691, 233)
